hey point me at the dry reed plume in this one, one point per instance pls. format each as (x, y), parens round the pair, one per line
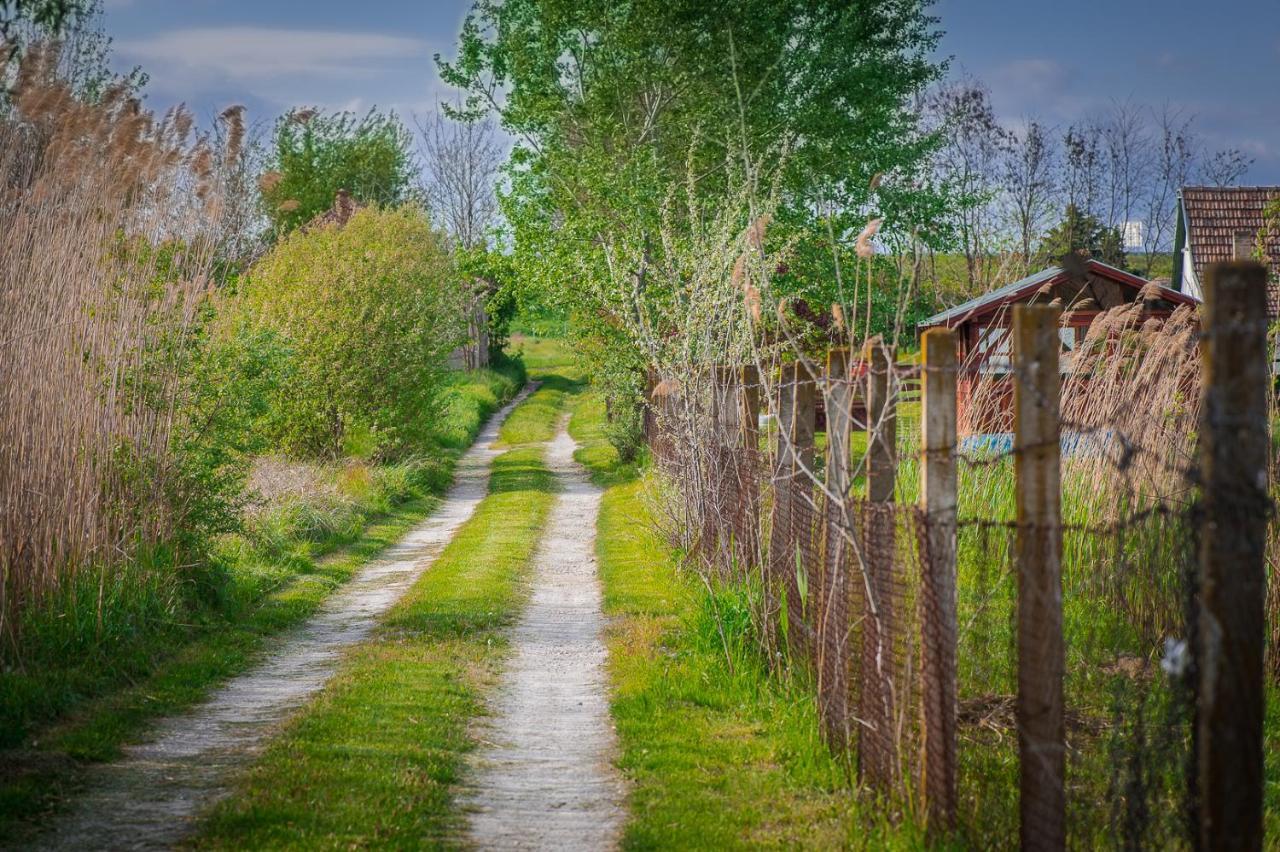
(90, 300)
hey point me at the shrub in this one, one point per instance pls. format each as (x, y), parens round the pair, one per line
(369, 312)
(618, 375)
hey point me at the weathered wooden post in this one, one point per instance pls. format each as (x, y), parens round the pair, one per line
(833, 607)
(723, 475)
(747, 522)
(789, 539)
(650, 417)
(1231, 619)
(1041, 661)
(877, 752)
(749, 399)
(938, 502)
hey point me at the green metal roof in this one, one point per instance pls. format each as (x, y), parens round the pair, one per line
(994, 296)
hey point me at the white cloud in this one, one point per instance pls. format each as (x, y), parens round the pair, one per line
(260, 53)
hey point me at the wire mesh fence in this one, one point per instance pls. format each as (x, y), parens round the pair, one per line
(1005, 629)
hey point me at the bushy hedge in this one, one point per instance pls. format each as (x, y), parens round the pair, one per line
(368, 313)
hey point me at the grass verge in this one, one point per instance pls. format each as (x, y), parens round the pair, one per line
(720, 752)
(80, 695)
(374, 759)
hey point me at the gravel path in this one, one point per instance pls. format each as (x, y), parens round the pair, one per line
(148, 799)
(545, 778)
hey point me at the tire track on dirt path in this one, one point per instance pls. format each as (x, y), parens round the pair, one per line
(545, 777)
(149, 798)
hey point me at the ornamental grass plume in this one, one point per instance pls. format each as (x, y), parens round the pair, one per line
(269, 181)
(233, 116)
(863, 246)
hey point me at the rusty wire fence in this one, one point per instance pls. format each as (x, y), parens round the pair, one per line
(1005, 630)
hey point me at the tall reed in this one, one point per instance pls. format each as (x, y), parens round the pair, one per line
(105, 257)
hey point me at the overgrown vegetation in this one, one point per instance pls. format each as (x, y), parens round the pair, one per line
(159, 641)
(181, 353)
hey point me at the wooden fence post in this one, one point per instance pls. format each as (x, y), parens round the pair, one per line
(725, 493)
(938, 502)
(1232, 583)
(747, 523)
(749, 399)
(1041, 662)
(876, 751)
(833, 609)
(650, 417)
(791, 531)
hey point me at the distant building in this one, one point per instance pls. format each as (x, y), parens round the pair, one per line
(1223, 223)
(1132, 232)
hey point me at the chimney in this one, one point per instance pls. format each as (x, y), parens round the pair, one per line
(1245, 243)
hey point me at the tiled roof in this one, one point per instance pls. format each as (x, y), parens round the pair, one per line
(1216, 215)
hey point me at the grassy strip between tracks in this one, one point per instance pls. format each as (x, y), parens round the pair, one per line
(374, 760)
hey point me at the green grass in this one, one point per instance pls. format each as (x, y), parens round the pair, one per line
(375, 759)
(550, 363)
(83, 690)
(719, 751)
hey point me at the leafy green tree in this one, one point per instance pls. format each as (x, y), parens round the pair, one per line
(369, 312)
(620, 105)
(1082, 233)
(316, 155)
(50, 15)
(83, 46)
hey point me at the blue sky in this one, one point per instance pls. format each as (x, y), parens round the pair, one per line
(1056, 61)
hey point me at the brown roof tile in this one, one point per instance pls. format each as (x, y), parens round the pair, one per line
(1217, 215)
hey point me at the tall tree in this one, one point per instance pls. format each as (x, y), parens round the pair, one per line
(462, 161)
(317, 155)
(1127, 149)
(1030, 182)
(1082, 166)
(972, 148)
(1171, 163)
(614, 103)
(1226, 167)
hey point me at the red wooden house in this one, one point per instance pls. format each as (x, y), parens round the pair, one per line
(983, 324)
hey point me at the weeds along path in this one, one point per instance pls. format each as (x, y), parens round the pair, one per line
(147, 799)
(544, 778)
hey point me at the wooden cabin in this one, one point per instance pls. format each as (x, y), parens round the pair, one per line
(983, 324)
